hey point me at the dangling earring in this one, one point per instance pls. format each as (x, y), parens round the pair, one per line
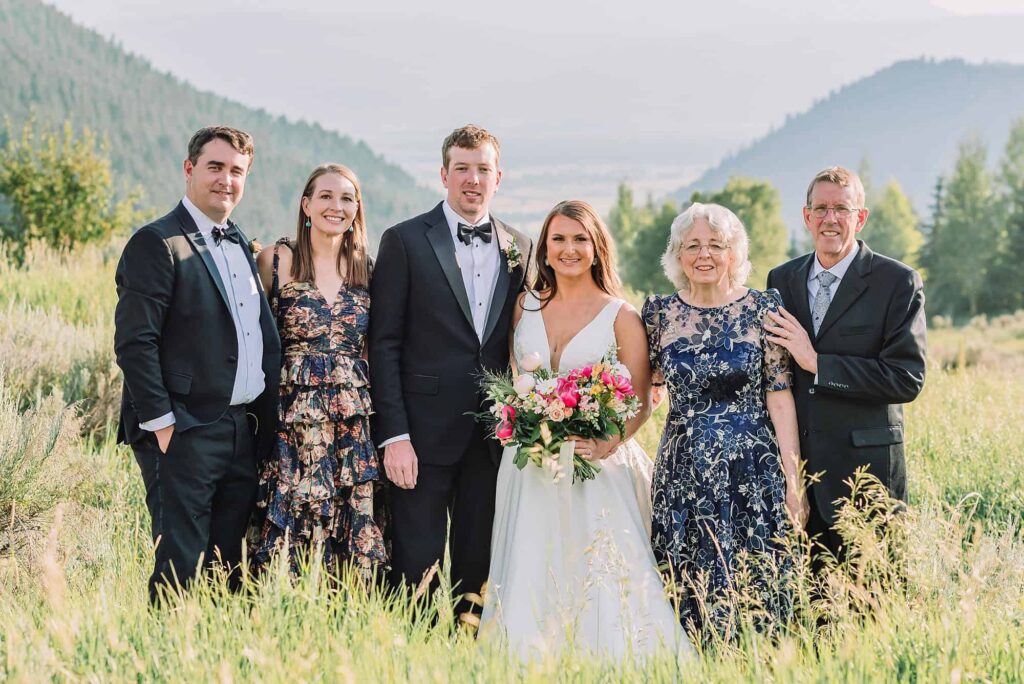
(308, 224)
(546, 261)
(595, 262)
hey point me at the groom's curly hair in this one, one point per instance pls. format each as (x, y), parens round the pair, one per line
(469, 137)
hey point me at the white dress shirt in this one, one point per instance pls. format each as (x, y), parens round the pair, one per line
(839, 270)
(244, 297)
(479, 262)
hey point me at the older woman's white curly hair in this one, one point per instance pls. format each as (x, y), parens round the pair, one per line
(723, 222)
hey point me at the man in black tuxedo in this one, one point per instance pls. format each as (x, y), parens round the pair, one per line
(199, 350)
(854, 323)
(443, 290)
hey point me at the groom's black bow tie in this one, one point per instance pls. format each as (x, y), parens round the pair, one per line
(229, 233)
(466, 233)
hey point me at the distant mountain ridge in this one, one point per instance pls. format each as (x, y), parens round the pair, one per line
(60, 70)
(906, 120)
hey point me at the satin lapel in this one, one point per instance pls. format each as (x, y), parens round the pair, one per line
(798, 294)
(440, 238)
(850, 289)
(266, 315)
(501, 285)
(195, 236)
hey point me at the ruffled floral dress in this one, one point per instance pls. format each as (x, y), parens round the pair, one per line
(719, 490)
(317, 489)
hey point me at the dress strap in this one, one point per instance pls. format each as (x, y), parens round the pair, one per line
(275, 289)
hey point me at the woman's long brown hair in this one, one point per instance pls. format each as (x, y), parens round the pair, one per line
(604, 271)
(354, 248)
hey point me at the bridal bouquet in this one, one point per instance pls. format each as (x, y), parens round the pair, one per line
(537, 411)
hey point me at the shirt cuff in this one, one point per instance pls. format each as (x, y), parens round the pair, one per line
(160, 423)
(815, 378)
(396, 438)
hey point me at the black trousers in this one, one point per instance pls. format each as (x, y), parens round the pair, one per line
(823, 536)
(200, 495)
(463, 491)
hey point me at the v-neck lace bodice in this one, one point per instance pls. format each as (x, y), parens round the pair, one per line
(589, 345)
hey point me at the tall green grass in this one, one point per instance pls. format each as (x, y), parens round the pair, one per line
(939, 597)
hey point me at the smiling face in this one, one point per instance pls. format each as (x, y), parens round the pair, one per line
(833, 235)
(332, 205)
(705, 256)
(570, 249)
(216, 181)
(471, 178)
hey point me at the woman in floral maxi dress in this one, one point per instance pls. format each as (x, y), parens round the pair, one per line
(317, 491)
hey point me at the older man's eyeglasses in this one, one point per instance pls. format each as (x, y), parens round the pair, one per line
(714, 248)
(841, 211)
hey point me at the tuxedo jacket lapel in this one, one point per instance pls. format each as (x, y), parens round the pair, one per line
(440, 239)
(851, 287)
(798, 294)
(504, 280)
(195, 236)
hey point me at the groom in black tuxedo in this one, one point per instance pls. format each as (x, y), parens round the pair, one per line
(443, 290)
(200, 354)
(854, 323)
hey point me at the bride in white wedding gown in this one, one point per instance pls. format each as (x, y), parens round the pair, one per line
(571, 564)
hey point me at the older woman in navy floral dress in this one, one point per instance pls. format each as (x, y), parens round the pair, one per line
(721, 488)
(317, 491)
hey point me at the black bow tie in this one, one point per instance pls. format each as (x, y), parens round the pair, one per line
(466, 233)
(230, 233)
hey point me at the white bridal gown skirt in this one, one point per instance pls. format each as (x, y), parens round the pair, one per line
(572, 566)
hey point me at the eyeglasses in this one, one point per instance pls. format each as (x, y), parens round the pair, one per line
(841, 211)
(714, 248)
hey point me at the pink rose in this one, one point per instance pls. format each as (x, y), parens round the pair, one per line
(619, 383)
(503, 432)
(570, 397)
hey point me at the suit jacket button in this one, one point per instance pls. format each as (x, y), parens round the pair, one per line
(232, 359)
(810, 391)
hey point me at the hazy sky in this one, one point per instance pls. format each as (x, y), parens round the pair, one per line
(579, 91)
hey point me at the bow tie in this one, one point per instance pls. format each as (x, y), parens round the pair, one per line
(229, 233)
(467, 233)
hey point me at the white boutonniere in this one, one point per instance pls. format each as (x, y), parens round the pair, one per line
(513, 257)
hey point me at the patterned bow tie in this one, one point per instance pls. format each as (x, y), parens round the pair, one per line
(229, 233)
(466, 233)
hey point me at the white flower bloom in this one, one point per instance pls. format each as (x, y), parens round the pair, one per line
(524, 384)
(547, 386)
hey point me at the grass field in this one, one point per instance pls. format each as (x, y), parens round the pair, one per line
(940, 599)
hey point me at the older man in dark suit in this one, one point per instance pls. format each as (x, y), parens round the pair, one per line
(196, 341)
(854, 323)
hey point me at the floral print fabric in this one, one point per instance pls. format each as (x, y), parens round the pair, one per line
(719, 490)
(318, 487)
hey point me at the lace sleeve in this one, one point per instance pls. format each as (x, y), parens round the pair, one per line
(654, 319)
(777, 372)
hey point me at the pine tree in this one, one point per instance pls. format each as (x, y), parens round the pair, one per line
(963, 236)
(1007, 281)
(892, 227)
